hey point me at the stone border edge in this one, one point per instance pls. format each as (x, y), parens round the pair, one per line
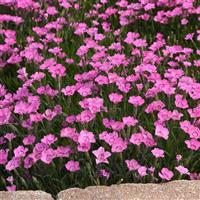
(115, 192)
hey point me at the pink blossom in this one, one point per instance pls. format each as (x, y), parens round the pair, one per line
(142, 171)
(158, 153)
(178, 157)
(180, 102)
(166, 174)
(28, 140)
(20, 151)
(70, 133)
(51, 10)
(155, 106)
(104, 173)
(182, 170)
(49, 139)
(140, 43)
(72, 166)
(162, 132)
(119, 145)
(85, 116)
(13, 163)
(5, 114)
(28, 162)
(193, 144)
(132, 164)
(164, 115)
(69, 90)
(9, 136)
(101, 155)
(48, 155)
(63, 151)
(11, 188)
(94, 104)
(136, 101)
(3, 156)
(86, 136)
(136, 138)
(85, 139)
(115, 98)
(130, 121)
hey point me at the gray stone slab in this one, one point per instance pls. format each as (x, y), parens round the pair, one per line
(25, 195)
(175, 190)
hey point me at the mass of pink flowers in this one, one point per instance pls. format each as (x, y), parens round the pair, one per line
(107, 90)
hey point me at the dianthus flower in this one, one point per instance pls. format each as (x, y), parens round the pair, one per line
(101, 155)
(166, 174)
(72, 166)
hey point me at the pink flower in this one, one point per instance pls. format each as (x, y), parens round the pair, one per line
(10, 179)
(85, 116)
(129, 121)
(166, 174)
(101, 155)
(136, 100)
(176, 115)
(178, 157)
(3, 156)
(115, 98)
(136, 138)
(49, 139)
(193, 144)
(22, 74)
(51, 10)
(93, 104)
(101, 80)
(84, 91)
(57, 70)
(164, 115)
(132, 164)
(20, 151)
(154, 106)
(5, 114)
(140, 43)
(11, 188)
(117, 125)
(70, 133)
(131, 36)
(13, 163)
(119, 145)
(180, 102)
(29, 161)
(72, 166)
(108, 137)
(28, 140)
(9, 136)
(162, 132)
(63, 151)
(104, 173)
(69, 90)
(71, 119)
(151, 169)
(158, 153)
(142, 171)
(85, 139)
(143, 137)
(182, 170)
(48, 155)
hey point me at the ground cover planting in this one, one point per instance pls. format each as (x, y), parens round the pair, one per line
(98, 92)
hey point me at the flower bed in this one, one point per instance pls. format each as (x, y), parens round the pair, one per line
(98, 92)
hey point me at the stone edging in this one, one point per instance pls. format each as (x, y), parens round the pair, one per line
(25, 195)
(175, 190)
